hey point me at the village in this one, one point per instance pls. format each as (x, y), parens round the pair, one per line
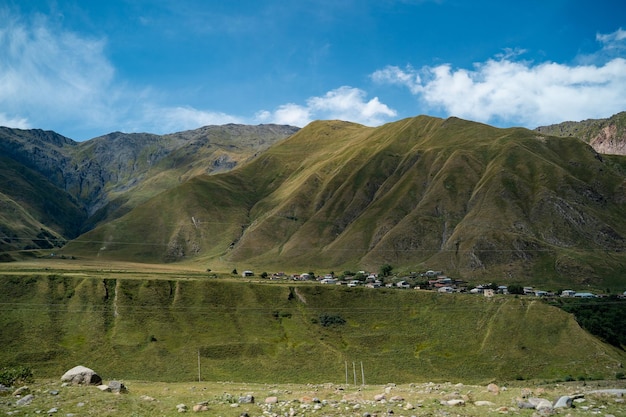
(430, 280)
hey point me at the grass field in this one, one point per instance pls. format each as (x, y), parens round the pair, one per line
(222, 399)
(146, 322)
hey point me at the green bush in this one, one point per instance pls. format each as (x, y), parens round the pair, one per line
(18, 375)
(328, 320)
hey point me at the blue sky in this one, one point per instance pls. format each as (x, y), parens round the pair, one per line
(84, 68)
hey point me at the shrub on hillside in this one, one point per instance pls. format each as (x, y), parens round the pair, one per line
(328, 320)
(17, 375)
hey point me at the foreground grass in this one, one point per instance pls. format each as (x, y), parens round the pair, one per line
(222, 399)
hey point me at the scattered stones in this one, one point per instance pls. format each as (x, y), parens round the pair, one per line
(379, 397)
(484, 403)
(540, 403)
(271, 400)
(147, 398)
(81, 375)
(396, 398)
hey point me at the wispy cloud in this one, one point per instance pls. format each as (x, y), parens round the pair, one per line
(509, 91)
(344, 103)
(51, 77)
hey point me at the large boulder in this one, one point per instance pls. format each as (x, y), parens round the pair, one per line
(81, 375)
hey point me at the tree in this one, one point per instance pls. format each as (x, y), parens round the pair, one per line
(263, 274)
(385, 270)
(235, 272)
(515, 289)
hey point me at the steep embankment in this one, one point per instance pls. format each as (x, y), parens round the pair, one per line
(420, 193)
(156, 329)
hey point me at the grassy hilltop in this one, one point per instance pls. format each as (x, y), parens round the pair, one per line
(154, 329)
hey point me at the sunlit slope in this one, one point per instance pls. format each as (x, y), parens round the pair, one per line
(424, 192)
(155, 330)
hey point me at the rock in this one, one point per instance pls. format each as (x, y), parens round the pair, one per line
(246, 399)
(104, 388)
(199, 408)
(53, 410)
(396, 398)
(525, 405)
(181, 408)
(484, 403)
(540, 403)
(53, 392)
(25, 400)
(563, 402)
(493, 388)
(21, 391)
(379, 397)
(147, 398)
(81, 375)
(117, 387)
(455, 403)
(271, 400)
(4, 390)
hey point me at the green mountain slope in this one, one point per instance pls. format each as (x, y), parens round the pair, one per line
(254, 332)
(105, 177)
(33, 212)
(421, 193)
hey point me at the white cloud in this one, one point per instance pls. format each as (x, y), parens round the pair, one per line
(612, 38)
(15, 122)
(175, 119)
(344, 103)
(504, 91)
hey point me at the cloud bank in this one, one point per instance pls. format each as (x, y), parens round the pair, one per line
(344, 103)
(507, 91)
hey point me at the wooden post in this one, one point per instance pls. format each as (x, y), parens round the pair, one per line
(198, 364)
(362, 374)
(354, 372)
(346, 372)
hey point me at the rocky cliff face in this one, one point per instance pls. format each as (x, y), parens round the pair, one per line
(607, 136)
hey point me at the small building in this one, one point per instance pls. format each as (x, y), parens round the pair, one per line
(568, 293)
(584, 295)
(488, 292)
(247, 274)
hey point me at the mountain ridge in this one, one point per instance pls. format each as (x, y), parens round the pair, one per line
(423, 192)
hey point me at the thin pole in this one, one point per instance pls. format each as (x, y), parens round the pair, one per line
(354, 371)
(362, 373)
(198, 365)
(346, 372)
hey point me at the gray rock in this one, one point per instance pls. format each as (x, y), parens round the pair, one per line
(81, 375)
(25, 400)
(246, 399)
(21, 391)
(525, 405)
(563, 402)
(53, 410)
(540, 403)
(117, 387)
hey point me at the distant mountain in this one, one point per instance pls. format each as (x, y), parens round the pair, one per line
(607, 136)
(421, 193)
(54, 186)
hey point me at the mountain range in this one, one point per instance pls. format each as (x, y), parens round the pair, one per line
(479, 202)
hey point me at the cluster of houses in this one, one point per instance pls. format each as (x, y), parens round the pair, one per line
(429, 280)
